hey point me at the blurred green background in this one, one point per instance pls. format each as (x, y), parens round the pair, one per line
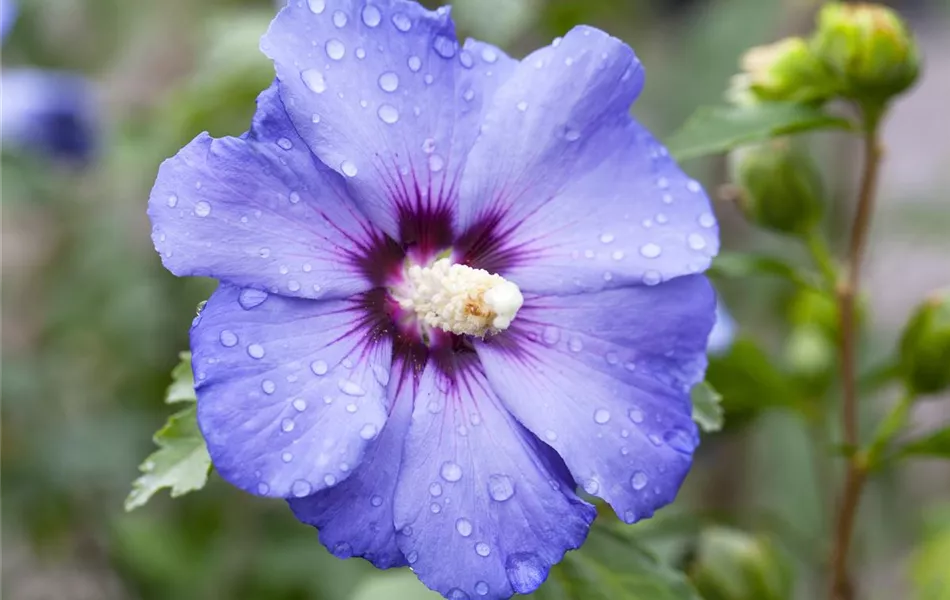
(92, 324)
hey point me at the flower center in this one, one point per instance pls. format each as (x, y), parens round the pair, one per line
(459, 299)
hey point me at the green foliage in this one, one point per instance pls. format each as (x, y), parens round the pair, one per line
(734, 565)
(182, 462)
(712, 130)
(925, 346)
(935, 445)
(742, 265)
(749, 381)
(928, 569)
(707, 407)
(786, 71)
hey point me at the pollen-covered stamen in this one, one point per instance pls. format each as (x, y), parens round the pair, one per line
(459, 299)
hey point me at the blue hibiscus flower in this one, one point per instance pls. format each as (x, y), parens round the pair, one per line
(454, 286)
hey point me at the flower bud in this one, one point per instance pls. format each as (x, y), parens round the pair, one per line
(786, 71)
(925, 346)
(733, 565)
(781, 187)
(869, 47)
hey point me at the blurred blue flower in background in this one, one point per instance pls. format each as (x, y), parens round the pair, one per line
(723, 332)
(440, 308)
(51, 113)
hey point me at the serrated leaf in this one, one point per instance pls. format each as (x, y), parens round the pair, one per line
(613, 566)
(181, 463)
(707, 407)
(935, 445)
(182, 388)
(711, 130)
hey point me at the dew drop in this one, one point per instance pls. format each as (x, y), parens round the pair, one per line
(335, 49)
(469, 95)
(319, 367)
(601, 416)
(652, 277)
(262, 488)
(339, 19)
(481, 588)
(300, 488)
(371, 16)
(428, 146)
(401, 22)
(435, 508)
(551, 335)
(591, 486)
(435, 489)
(285, 143)
(693, 186)
(526, 571)
(317, 6)
(679, 440)
(482, 549)
(413, 556)
(376, 501)
(500, 487)
(202, 208)
(314, 81)
(228, 338)
(465, 57)
(572, 135)
(639, 480)
(293, 285)
(300, 404)
(450, 471)
(360, 53)
(388, 114)
(172, 201)
(250, 298)
(550, 435)
(629, 516)
(286, 457)
(696, 241)
(464, 527)
(329, 479)
(650, 250)
(606, 238)
(436, 163)
(636, 415)
(415, 63)
(389, 81)
(255, 351)
(351, 388)
(368, 431)
(707, 220)
(523, 106)
(456, 594)
(576, 345)
(268, 386)
(287, 425)
(444, 46)
(349, 169)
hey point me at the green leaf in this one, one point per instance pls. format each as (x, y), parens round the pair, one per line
(613, 566)
(749, 381)
(739, 265)
(712, 130)
(928, 567)
(182, 388)
(707, 407)
(934, 445)
(399, 584)
(181, 463)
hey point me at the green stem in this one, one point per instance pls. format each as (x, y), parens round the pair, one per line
(888, 428)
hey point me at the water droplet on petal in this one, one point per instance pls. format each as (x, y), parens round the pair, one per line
(335, 49)
(401, 22)
(286, 457)
(287, 425)
(255, 351)
(639, 480)
(351, 388)
(228, 338)
(268, 386)
(172, 201)
(696, 241)
(650, 250)
(456, 594)
(482, 549)
(388, 114)
(450, 471)
(339, 19)
(376, 501)
(591, 486)
(481, 588)
(606, 238)
(250, 298)
(436, 163)
(679, 440)
(415, 63)
(601, 416)
(368, 431)
(435, 508)
(636, 415)
(301, 488)
(526, 571)
(262, 488)
(551, 335)
(202, 208)
(314, 81)
(522, 106)
(444, 47)
(319, 367)
(349, 169)
(575, 344)
(572, 135)
(371, 16)
(550, 435)
(317, 6)
(464, 527)
(285, 143)
(465, 57)
(500, 487)
(629, 516)
(389, 81)
(693, 186)
(300, 405)
(329, 479)
(707, 220)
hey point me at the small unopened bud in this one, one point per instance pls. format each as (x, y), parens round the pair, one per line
(786, 71)
(781, 187)
(733, 565)
(925, 346)
(868, 47)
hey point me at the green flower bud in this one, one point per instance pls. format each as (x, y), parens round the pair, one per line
(925, 346)
(786, 71)
(733, 565)
(780, 187)
(869, 47)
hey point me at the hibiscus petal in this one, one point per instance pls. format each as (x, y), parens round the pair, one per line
(564, 192)
(482, 510)
(290, 391)
(260, 211)
(380, 90)
(604, 379)
(355, 518)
